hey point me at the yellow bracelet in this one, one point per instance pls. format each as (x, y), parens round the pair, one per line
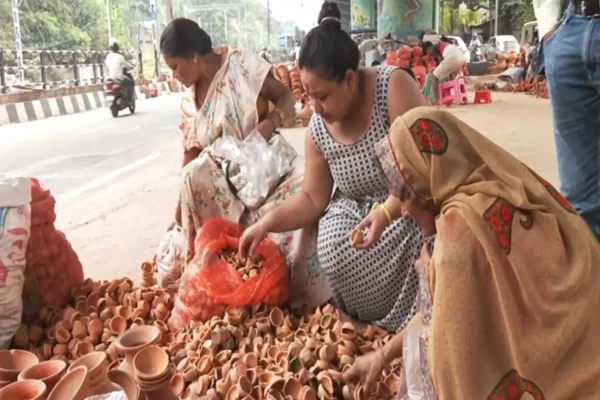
(387, 213)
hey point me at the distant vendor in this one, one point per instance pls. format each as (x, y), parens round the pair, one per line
(450, 59)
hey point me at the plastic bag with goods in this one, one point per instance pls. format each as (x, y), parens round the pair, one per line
(256, 166)
(170, 258)
(217, 278)
(53, 267)
(15, 219)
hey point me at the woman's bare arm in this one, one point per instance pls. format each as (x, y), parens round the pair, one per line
(404, 94)
(278, 94)
(307, 206)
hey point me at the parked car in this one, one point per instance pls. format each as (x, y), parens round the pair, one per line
(458, 41)
(501, 44)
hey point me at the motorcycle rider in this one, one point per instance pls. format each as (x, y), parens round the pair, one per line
(475, 48)
(118, 69)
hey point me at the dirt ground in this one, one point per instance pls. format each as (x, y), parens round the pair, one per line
(117, 243)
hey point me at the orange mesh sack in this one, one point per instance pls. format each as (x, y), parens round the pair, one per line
(53, 268)
(211, 281)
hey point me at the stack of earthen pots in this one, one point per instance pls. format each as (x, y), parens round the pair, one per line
(153, 372)
(49, 372)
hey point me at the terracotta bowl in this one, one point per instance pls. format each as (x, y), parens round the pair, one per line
(136, 338)
(74, 385)
(96, 364)
(24, 390)
(159, 381)
(126, 382)
(48, 372)
(151, 363)
(12, 362)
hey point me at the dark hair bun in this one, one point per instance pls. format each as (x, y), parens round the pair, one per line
(330, 15)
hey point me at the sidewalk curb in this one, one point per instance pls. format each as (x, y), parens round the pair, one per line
(16, 113)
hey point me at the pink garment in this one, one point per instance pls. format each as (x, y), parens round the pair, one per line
(443, 46)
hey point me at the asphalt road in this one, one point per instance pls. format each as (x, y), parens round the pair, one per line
(77, 153)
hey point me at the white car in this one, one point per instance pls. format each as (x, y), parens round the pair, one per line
(457, 41)
(501, 44)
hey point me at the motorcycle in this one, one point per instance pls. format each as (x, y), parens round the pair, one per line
(118, 96)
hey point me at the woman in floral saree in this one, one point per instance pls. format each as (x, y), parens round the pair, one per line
(509, 297)
(228, 96)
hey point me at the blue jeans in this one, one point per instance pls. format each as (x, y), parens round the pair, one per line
(571, 57)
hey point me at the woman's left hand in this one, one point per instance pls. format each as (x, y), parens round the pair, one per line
(375, 224)
(266, 128)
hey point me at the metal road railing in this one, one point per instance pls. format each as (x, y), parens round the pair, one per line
(46, 69)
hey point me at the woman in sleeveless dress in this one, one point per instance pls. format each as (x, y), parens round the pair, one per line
(343, 181)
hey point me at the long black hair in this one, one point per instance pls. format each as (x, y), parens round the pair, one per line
(184, 38)
(328, 48)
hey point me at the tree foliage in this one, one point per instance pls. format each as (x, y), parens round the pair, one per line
(82, 24)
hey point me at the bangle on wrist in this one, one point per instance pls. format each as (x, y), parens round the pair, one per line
(387, 213)
(281, 114)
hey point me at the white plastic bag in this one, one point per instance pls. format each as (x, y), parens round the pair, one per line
(261, 164)
(170, 258)
(411, 354)
(15, 225)
(116, 395)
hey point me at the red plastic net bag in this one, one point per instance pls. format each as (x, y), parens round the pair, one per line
(53, 267)
(211, 281)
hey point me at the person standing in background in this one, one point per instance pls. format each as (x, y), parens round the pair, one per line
(570, 55)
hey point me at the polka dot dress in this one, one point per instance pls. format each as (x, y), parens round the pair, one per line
(379, 284)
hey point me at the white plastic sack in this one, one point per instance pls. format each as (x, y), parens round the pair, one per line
(15, 225)
(170, 258)
(411, 354)
(117, 395)
(260, 165)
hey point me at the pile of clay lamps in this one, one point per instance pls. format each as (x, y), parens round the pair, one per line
(268, 353)
(258, 353)
(102, 311)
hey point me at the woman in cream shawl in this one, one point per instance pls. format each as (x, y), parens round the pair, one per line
(509, 298)
(229, 94)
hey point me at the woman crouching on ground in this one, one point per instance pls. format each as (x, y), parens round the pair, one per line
(353, 109)
(229, 91)
(509, 297)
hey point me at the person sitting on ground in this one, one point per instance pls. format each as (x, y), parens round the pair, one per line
(509, 297)
(353, 109)
(229, 91)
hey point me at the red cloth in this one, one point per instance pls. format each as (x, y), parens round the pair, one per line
(443, 46)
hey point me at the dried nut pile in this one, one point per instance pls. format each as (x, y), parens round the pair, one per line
(258, 353)
(247, 268)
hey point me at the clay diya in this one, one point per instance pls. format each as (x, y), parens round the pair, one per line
(356, 237)
(48, 372)
(29, 389)
(125, 382)
(150, 363)
(12, 362)
(73, 386)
